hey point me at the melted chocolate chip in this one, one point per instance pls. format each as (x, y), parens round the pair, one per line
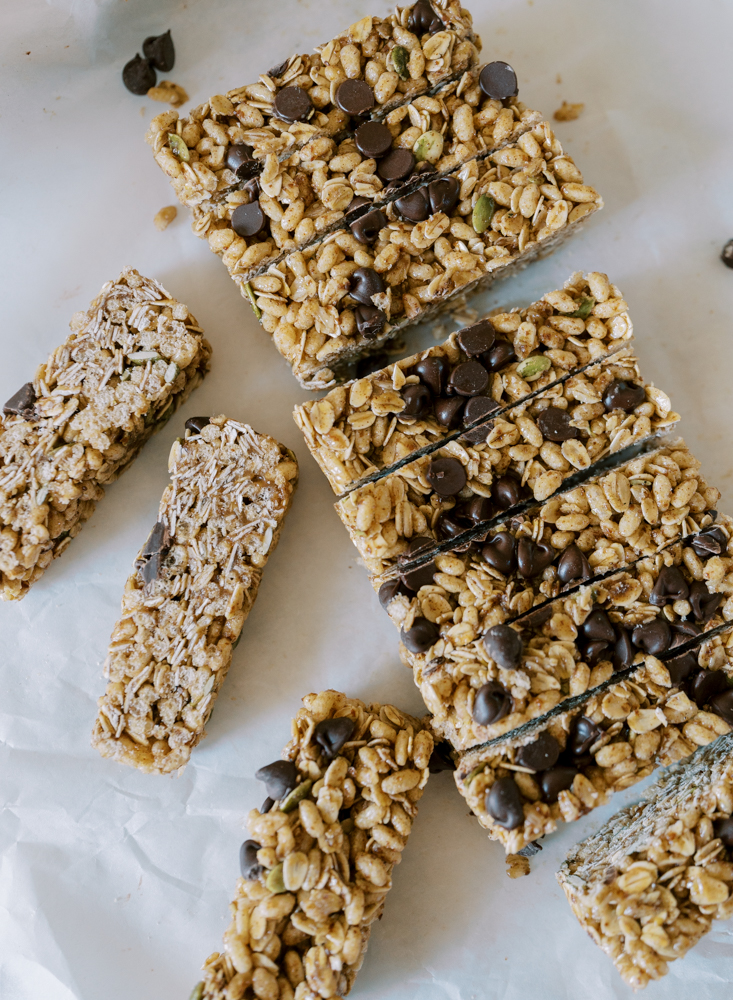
(500, 552)
(492, 702)
(478, 509)
(504, 804)
(332, 734)
(370, 321)
(373, 139)
(470, 378)
(478, 407)
(573, 565)
(138, 75)
(498, 81)
(277, 71)
(152, 558)
(422, 19)
(279, 778)
(248, 220)
(722, 705)
(670, 586)
(681, 667)
(418, 401)
(723, 828)
(583, 735)
(448, 410)
(414, 207)
(477, 339)
(621, 395)
(389, 590)
(196, 424)
(712, 542)
(396, 165)
(554, 425)
(357, 202)
(22, 403)
(654, 637)
(594, 652)
(506, 492)
(623, 650)
(421, 636)
(355, 97)
(556, 780)
(597, 627)
(449, 525)
(433, 372)
(540, 755)
(293, 104)
(423, 576)
(240, 159)
(533, 557)
(443, 194)
(160, 51)
(248, 863)
(504, 645)
(703, 603)
(447, 476)
(500, 354)
(705, 685)
(365, 282)
(368, 227)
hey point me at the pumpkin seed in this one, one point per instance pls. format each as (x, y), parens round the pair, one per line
(483, 213)
(400, 58)
(142, 357)
(584, 309)
(274, 880)
(171, 372)
(531, 368)
(251, 296)
(292, 799)
(476, 771)
(429, 147)
(125, 375)
(178, 146)
(197, 992)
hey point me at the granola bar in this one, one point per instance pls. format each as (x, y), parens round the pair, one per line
(520, 787)
(383, 62)
(126, 366)
(195, 581)
(316, 874)
(648, 885)
(367, 426)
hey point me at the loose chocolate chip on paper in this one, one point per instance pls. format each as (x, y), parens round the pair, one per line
(418, 401)
(396, 165)
(554, 425)
(506, 492)
(712, 542)
(703, 603)
(722, 705)
(726, 254)
(22, 403)
(421, 636)
(470, 378)
(500, 552)
(621, 395)
(240, 159)
(597, 627)
(152, 558)
(447, 476)
(293, 104)
(368, 227)
(533, 557)
(477, 339)
(355, 97)
(389, 590)
(670, 586)
(443, 194)
(414, 207)
(653, 637)
(373, 139)
(196, 424)
(540, 754)
(492, 702)
(138, 75)
(583, 735)
(370, 321)
(723, 828)
(279, 778)
(502, 353)
(498, 81)
(422, 19)
(433, 372)
(504, 645)
(248, 220)
(448, 410)
(160, 51)
(248, 863)
(705, 685)
(573, 565)
(504, 804)
(365, 282)
(332, 734)
(556, 780)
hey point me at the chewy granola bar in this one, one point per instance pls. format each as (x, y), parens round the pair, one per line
(372, 67)
(128, 363)
(520, 787)
(648, 885)
(195, 581)
(362, 429)
(314, 878)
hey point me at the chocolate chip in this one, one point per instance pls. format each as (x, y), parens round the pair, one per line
(196, 424)
(556, 780)
(447, 476)
(623, 650)
(621, 395)
(504, 804)
(240, 159)
(500, 354)
(277, 71)
(470, 378)
(373, 139)
(594, 652)
(670, 586)
(706, 684)
(712, 542)
(364, 283)
(332, 734)
(423, 576)
(418, 401)
(152, 558)
(279, 778)
(396, 165)
(433, 373)
(682, 631)
(443, 194)
(160, 51)
(726, 254)
(597, 627)
(504, 645)
(506, 492)
(421, 636)
(267, 805)
(573, 565)
(449, 526)
(492, 702)
(370, 321)
(533, 557)
(423, 20)
(583, 735)
(368, 227)
(722, 705)
(477, 408)
(478, 509)
(703, 603)
(248, 220)
(293, 104)
(500, 552)
(22, 403)
(357, 202)
(540, 755)
(536, 619)
(248, 863)
(498, 81)
(654, 637)
(723, 828)
(554, 425)
(440, 758)
(414, 207)
(681, 667)
(477, 339)
(355, 97)
(138, 75)
(448, 410)
(389, 590)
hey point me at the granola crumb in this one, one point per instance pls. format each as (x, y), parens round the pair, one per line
(568, 112)
(164, 217)
(517, 865)
(169, 93)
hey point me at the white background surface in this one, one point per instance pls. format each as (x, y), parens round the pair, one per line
(115, 884)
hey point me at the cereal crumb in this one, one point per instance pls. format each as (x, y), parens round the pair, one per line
(169, 93)
(568, 112)
(165, 216)
(517, 865)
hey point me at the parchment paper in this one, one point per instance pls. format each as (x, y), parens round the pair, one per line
(115, 884)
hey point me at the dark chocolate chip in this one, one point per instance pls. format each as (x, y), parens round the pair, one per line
(623, 650)
(670, 586)
(500, 552)
(723, 828)
(357, 202)
(332, 734)
(138, 75)
(433, 372)
(22, 403)
(443, 194)
(240, 159)
(370, 321)
(594, 652)
(498, 81)
(152, 558)
(365, 282)
(597, 627)
(267, 805)
(573, 565)
(583, 735)
(160, 51)
(681, 667)
(504, 645)
(705, 685)
(414, 207)
(726, 254)
(373, 139)
(533, 557)
(355, 97)
(293, 104)
(536, 619)
(280, 777)
(540, 755)
(196, 424)
(368, 227)
(556, 780)
(504, 804)
(248, 220)
(683, 631)
(492, 702)
(389, 590)
(423, 576)
(478, 407)
(470, 378)
(554, 425)
(418, 401)
(477, 339)
(277, 71)
(712, 542)
(447, 476)
(396, 165)
(421, 636)
(506, 492)
(423, 20)
(248, 863)
(500, 354)
(440, 758)
(722, 705)
(449, 526)
(621, 395)
(448, 410)
(654, 637)
(703, 603)
(478, 509)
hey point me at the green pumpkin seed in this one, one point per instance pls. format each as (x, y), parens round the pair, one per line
(171, 372)
(292, 799)
(274, 880)
(197, 992)
(142, 357)
(253, 300)
(178, 146)
(400, 58)
(476, 771)
(125, 375)
(584, 309)
(483, 213)
(429, 147)
(531, 368)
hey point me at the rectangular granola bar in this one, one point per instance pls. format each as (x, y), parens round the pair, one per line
(316, 875)
(195, 581)
(362, 429)
(648, 885)
(555, 770)
(128, 363)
